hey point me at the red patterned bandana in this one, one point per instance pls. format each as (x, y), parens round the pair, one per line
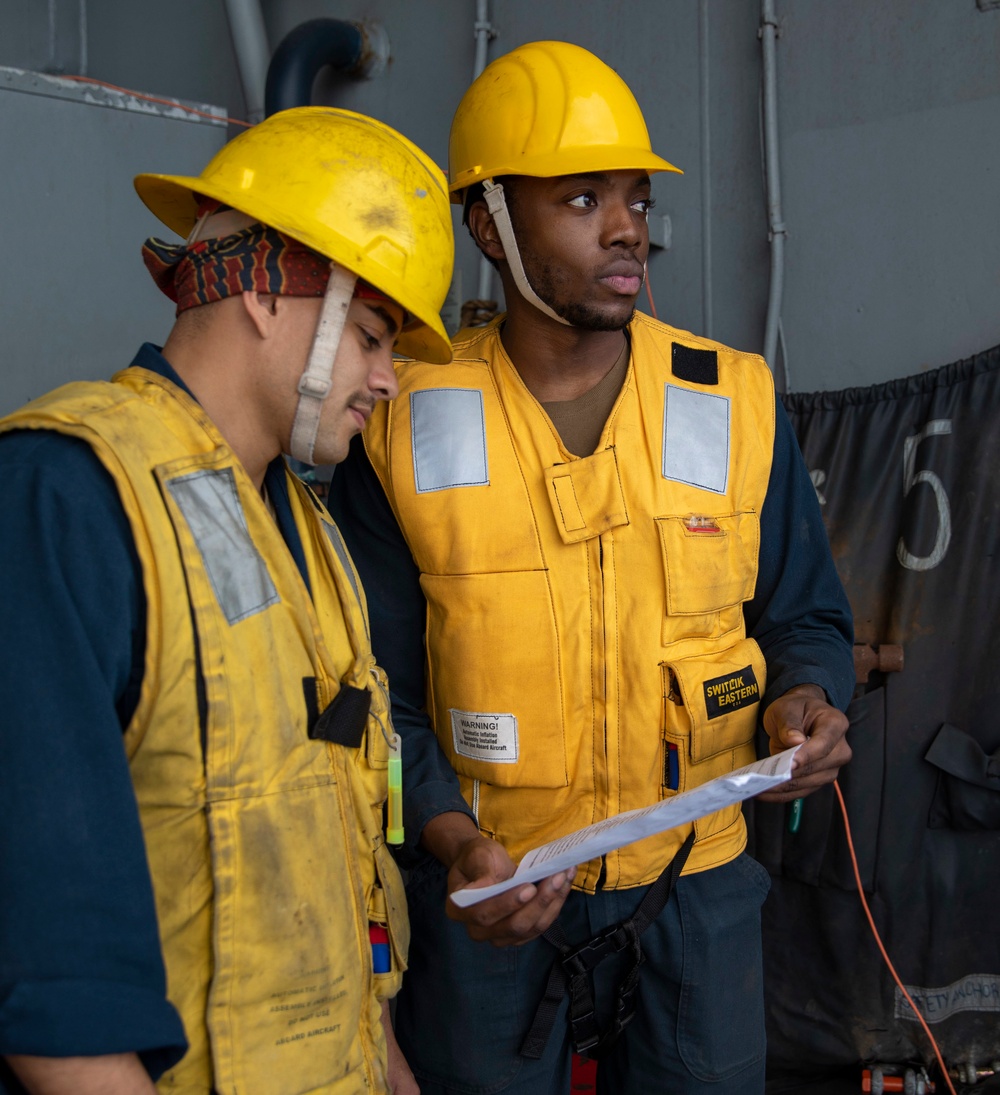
(257, 258)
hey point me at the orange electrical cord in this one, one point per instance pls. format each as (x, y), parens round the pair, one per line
(155, 99)
(649, 295)
(878, 941)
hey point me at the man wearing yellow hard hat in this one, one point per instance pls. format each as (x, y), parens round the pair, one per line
(602, 562)
(198, 895)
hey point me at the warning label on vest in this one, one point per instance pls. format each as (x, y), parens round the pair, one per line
(731, 692)
(484, 736)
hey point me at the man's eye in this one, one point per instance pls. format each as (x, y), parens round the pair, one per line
(372, 341)
(583, 201)
(643, 205)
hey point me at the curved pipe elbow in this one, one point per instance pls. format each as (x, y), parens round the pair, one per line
(312, 46)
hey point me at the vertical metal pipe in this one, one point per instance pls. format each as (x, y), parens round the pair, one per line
(67, 37)
(776, 225)
(84, 59)
(253, 54)
(53, 63)
(706, 171)
(484, 32)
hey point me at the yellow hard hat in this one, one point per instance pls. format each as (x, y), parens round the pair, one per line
(348, 186)
(545, 109)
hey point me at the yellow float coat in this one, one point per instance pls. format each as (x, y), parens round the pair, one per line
(265, 845)
(586, 614)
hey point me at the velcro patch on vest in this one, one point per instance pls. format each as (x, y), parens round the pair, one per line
(448, 432)
(731, 692)
(489, 737)
(693, 365)
(344, 721)
(696, 438)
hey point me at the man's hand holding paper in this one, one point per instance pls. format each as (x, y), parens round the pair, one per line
(519, 910)
(562, 856)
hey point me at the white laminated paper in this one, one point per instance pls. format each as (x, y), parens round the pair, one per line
(616, 832)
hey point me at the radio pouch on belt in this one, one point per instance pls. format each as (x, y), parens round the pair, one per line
(571, 972)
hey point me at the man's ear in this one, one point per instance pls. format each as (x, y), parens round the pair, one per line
(261, 308)
(484, 231)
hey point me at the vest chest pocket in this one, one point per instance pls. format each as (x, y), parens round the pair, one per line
(719, 697)
(496, 705)
(710, 569)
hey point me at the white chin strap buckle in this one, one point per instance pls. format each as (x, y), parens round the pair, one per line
(317, 379)
(493, 192)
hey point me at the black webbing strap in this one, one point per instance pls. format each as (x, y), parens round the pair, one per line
(572, 967)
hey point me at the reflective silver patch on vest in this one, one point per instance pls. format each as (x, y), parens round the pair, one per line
(449, 439)
(696, 438)
(210, 503)
(333, 535)
(484, 736)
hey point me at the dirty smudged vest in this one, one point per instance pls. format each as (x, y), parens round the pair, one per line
(265, 845)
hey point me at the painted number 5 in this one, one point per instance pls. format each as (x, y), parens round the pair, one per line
(910, 479)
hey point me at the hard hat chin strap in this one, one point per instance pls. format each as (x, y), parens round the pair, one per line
(497, 206)
(317, 379)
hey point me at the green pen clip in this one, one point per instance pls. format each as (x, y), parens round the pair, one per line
(795, 815)
(394, 829)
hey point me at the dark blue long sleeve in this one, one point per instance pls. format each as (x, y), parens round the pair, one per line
(81, 970)
(799, 615)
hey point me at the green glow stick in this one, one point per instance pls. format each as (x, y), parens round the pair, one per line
(394, 829)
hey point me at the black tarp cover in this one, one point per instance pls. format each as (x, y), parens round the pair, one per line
(908, 475)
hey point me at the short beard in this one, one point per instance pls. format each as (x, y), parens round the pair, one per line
(546, 280)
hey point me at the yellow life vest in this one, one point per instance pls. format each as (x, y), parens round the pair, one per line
(265, 845)
(586, 648)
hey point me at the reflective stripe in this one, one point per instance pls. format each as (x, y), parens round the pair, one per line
(333, 535)
(696, 438)
(211, 506)
(449, 439)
